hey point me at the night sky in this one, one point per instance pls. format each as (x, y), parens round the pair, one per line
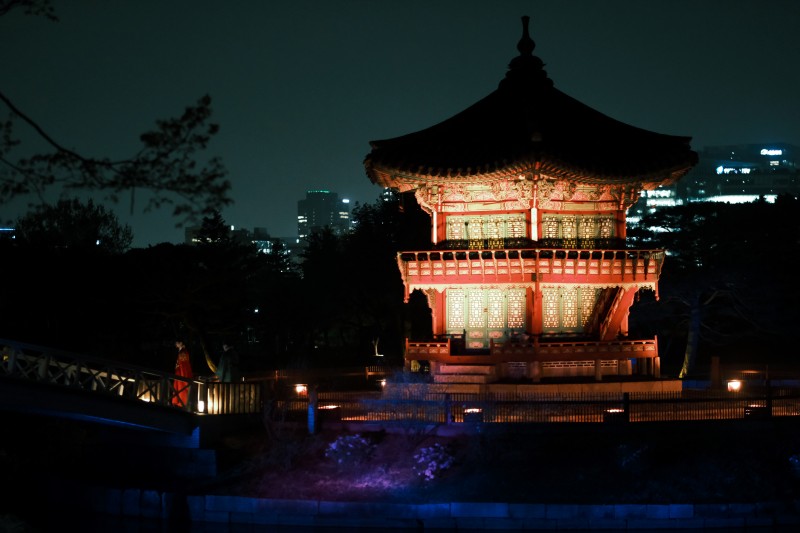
(299, 88)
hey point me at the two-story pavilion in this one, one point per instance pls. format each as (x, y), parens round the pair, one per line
(529, 274)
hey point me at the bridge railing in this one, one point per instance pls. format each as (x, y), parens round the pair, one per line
(92, 374)
(200, 395)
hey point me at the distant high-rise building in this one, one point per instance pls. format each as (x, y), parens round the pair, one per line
(731, 174)
(742, 173)
(322, 209)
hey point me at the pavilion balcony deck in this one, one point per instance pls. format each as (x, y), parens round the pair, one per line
(533, 350)
(546, 265)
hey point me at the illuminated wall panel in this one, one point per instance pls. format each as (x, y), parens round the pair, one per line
(497, 226)
(456, 317)
(580, 226)
(485, 313)
(567, 309)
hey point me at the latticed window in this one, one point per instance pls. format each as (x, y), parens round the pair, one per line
(515, 226)
(567, 309)
(497, 319)
(550, 308)
(456, 317)
(588, 297)
(475, 229)
(476, 317)
(606, 225)
(492, 227)
(568, 230)
(577, 226)
(516, 308)
(587, 227)
(550, 228)
(455, 230)
(492, 309)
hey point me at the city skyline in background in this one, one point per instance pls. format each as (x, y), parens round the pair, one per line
(299, 89)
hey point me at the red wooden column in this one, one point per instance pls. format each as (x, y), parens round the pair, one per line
(619, 314)
(439, 312)
(533, 302)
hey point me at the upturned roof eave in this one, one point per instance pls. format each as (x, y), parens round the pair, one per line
(489, 137)
(403, 177)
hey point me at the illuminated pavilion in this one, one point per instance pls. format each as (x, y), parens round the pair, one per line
(529, 275)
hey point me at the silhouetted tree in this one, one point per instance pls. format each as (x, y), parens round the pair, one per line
(29, 7)
(214, 230)
(354, 288)
(73, 224)
(723, 283)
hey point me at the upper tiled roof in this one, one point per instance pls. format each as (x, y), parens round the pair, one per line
(527, 123)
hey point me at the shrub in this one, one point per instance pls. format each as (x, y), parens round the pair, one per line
(432, 461)
(794, 461)
(349, 449)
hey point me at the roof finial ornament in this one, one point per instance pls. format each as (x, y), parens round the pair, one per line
(525, 44)
(527, 68)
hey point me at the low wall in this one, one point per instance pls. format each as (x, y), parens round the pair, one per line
(455, 515)
(659, 385)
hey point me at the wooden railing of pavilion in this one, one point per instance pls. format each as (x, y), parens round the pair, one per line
(521, 265)
(408, 406)
(534, 350)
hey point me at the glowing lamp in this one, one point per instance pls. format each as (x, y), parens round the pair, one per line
(473, 415)
(734, 385)
(301, 389)
(201, 406)
(382, 382)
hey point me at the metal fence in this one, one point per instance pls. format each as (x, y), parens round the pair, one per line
(442, 408)
(404, 404)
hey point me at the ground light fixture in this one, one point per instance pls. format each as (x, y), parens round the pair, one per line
(734, 385)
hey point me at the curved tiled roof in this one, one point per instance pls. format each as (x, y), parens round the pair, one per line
(528, 123)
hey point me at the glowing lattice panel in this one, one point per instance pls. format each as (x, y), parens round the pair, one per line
(516, 308)
(577, 226)
(493, 228)
(550, 227)
(550, 311)
(495, 308)
(569, 307)
(455, 229)
(516, 226)
(568, 230)
(588, 298)
(477, 319)
(606, 225)
(475, 228)
(455, 309)
(587, 227)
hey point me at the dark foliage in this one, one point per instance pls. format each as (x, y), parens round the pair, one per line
(725, 281)
(346, 305)
(354, 289)
(75, 225)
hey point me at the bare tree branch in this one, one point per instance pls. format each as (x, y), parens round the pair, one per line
(166, 165)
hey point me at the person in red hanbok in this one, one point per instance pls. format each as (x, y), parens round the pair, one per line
(183, 368)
